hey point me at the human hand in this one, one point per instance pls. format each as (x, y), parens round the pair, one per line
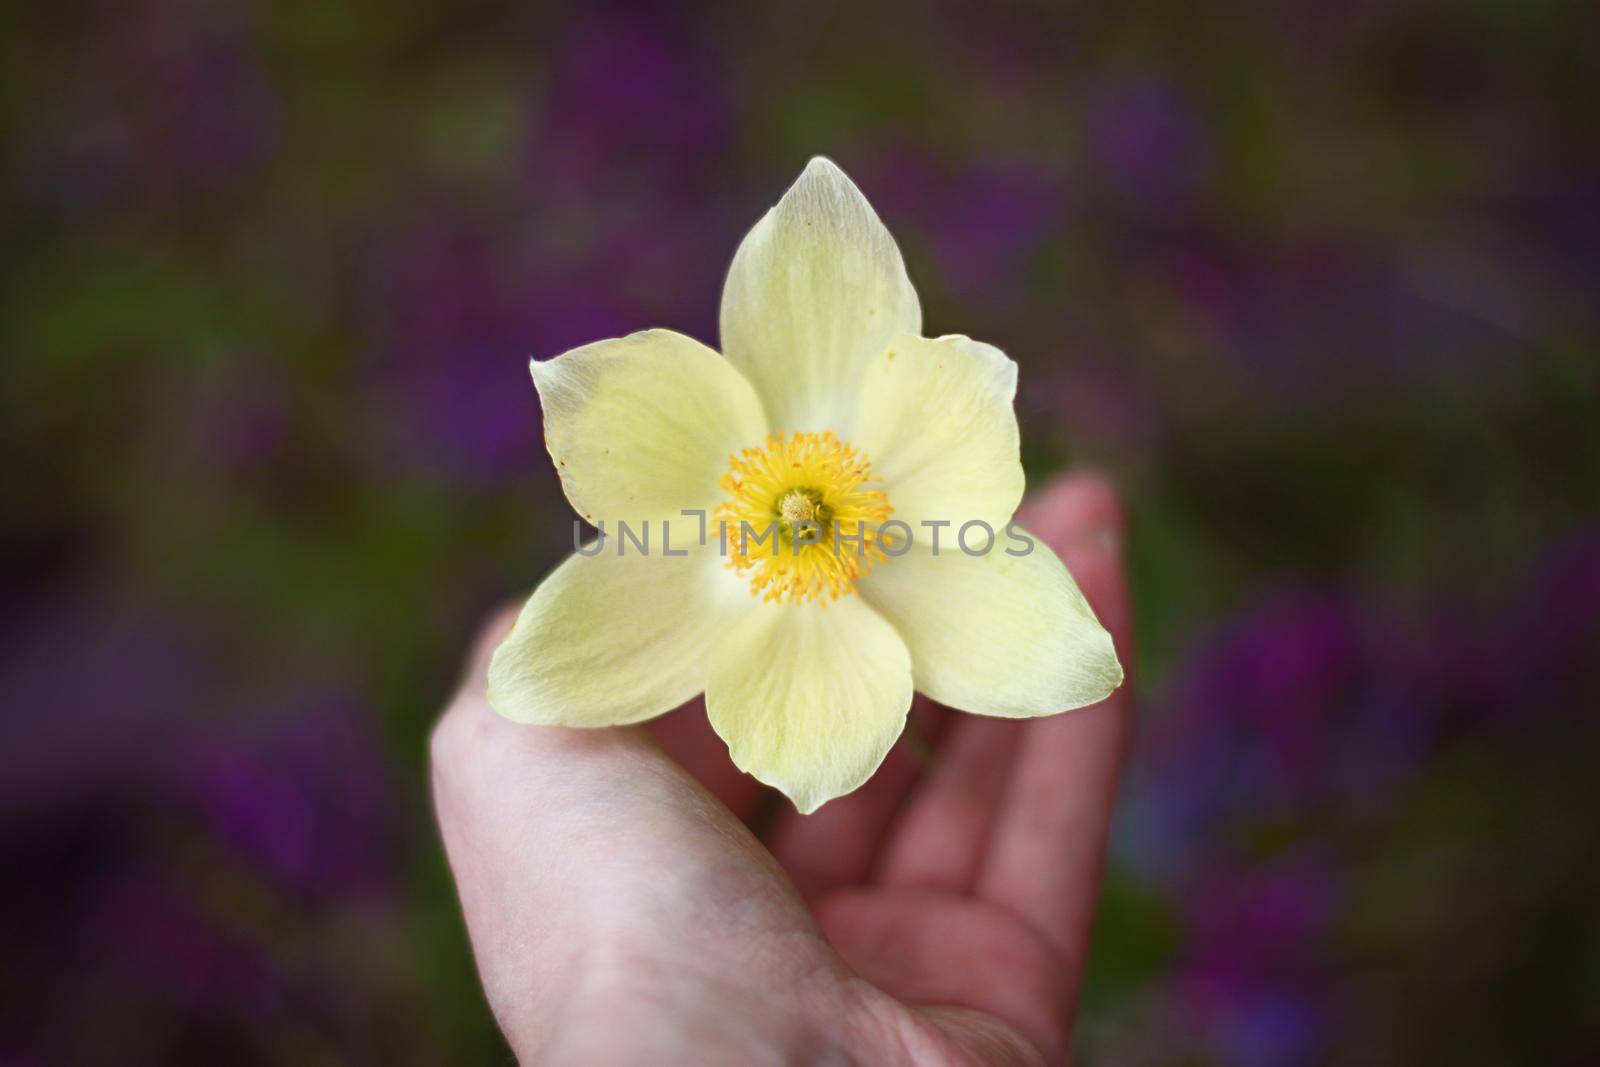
(622, 911)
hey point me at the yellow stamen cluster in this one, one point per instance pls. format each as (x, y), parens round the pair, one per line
(799, 517)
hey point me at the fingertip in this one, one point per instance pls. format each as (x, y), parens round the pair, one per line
(1080, 508)
(1081, 517)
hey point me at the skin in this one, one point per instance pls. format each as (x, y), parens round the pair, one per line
(622, 911)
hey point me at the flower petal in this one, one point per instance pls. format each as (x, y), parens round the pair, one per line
(612, 639)
(810, 699)
(641, 427)
(936, 420)
(996, 634)
(815, 291)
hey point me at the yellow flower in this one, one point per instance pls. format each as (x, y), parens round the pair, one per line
(820, 456)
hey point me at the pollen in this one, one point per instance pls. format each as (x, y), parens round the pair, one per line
(802, 517)
(797, 507)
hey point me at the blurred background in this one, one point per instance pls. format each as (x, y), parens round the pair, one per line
(1316, 283)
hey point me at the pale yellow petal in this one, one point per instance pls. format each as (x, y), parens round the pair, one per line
(936, 420)
(816, 290)
(612, 639)
(996, 634)
(641, 427)
(810, 699)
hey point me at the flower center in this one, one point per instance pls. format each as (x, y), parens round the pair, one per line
(800, 519)
(796, 507)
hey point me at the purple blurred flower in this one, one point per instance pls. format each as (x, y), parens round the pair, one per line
(612, 231)
(984, 221)
(634, 100)
(1271, 1028)
(1251, 974)
(452, 336)
(1305, 723)
(90, 677)
(625, 196)
(1151, 144)
(1251, 923)
(1253, 725)
(165, 946)
(306, 799)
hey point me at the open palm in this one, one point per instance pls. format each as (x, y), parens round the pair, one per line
(622, 910)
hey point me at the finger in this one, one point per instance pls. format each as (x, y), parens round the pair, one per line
(926, 949)
(1045, 860)
(939, 840)
(561, 838)
(836, 845)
